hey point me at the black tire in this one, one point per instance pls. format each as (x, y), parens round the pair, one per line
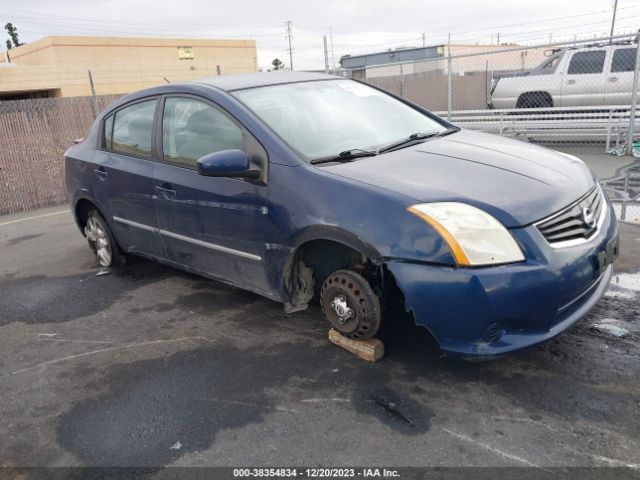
(534, 100)
(350, 293)
(102, 241)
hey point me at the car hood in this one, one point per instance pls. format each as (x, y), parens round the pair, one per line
(516, 182)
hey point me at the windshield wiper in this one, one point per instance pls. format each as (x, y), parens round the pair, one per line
(348, 155)
(416, 138)
(345, 156)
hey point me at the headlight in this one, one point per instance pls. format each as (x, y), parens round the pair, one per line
(474, 236)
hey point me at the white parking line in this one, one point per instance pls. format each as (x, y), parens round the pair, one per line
(486, 446)
(18, 220)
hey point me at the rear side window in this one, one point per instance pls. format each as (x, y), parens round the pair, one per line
(132, 129)
(192, 128)
(587, 62)
(107, 134)
(624, 60)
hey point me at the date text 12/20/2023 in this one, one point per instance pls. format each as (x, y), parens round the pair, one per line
(315, 472)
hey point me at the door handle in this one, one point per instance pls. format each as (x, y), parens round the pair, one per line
(613, 79)
(101, 173)
(571, 82)
(166, 191)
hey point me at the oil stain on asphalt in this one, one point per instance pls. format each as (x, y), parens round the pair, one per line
(190, 396)
(401, 413)
(37, 299)
(23, 238)
(152, 404)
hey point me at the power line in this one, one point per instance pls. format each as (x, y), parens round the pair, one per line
(504, 35)
(551, 19)
(131, 22)
(501, 27)
(137, 22)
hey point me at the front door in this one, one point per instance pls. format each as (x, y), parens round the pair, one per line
(210, 224)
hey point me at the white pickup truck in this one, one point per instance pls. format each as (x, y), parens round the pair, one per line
(587, 76)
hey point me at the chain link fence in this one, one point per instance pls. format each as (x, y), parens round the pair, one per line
(574, 96)
(624, 191)
(570, 95)
(34, 134)
(571, 92)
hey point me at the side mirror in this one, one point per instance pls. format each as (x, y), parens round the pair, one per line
(227, 163)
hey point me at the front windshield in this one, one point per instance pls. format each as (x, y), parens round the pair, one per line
(323, 118)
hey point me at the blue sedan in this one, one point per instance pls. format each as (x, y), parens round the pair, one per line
(306, 187)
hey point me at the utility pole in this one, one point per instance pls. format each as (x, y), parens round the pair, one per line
(498, 42)
(289, 37)
(424, 43)
(96, 110)
(613, 20)
(449, 73)
(634, 99)
(333, 60)
(326, 55)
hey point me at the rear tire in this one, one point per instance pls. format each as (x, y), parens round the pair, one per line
(350, 305)
(102, 242)
(534, 100)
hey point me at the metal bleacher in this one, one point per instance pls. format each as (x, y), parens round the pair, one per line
(607, 124)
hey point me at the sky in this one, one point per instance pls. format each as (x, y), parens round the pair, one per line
(352, 27)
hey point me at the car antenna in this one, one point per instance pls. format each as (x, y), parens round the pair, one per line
(166, 80)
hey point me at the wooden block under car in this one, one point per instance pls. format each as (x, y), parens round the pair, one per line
(370, 350)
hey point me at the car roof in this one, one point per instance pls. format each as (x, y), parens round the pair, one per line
(262, 79)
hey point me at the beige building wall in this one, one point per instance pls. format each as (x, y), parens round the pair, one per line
(485, 57)
(119, 65)
(493, 58)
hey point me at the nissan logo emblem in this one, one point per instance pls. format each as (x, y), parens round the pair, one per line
(589, 217)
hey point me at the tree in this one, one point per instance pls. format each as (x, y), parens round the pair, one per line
(277, 64)
(13, 33)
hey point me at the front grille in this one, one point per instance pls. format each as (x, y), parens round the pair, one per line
(579, 221)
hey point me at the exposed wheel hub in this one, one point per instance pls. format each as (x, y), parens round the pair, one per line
(350, 304)
(341, 307)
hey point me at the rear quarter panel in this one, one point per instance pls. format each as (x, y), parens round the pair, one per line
(509, 89)
(77, 173)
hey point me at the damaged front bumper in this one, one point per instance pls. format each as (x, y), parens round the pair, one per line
(487, 312)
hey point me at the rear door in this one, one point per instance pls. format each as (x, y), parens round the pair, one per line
(214, 225)
(619, 83)
(584, 80)
(123, 176)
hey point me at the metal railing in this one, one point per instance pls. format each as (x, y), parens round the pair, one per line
(630, 205)
(608, 124)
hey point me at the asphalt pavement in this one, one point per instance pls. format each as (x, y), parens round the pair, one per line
(150, 366)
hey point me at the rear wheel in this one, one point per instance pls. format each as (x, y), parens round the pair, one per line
(534, 100)
(350, 304)
(102, 241)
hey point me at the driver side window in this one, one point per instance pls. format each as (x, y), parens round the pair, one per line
(192, 128)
